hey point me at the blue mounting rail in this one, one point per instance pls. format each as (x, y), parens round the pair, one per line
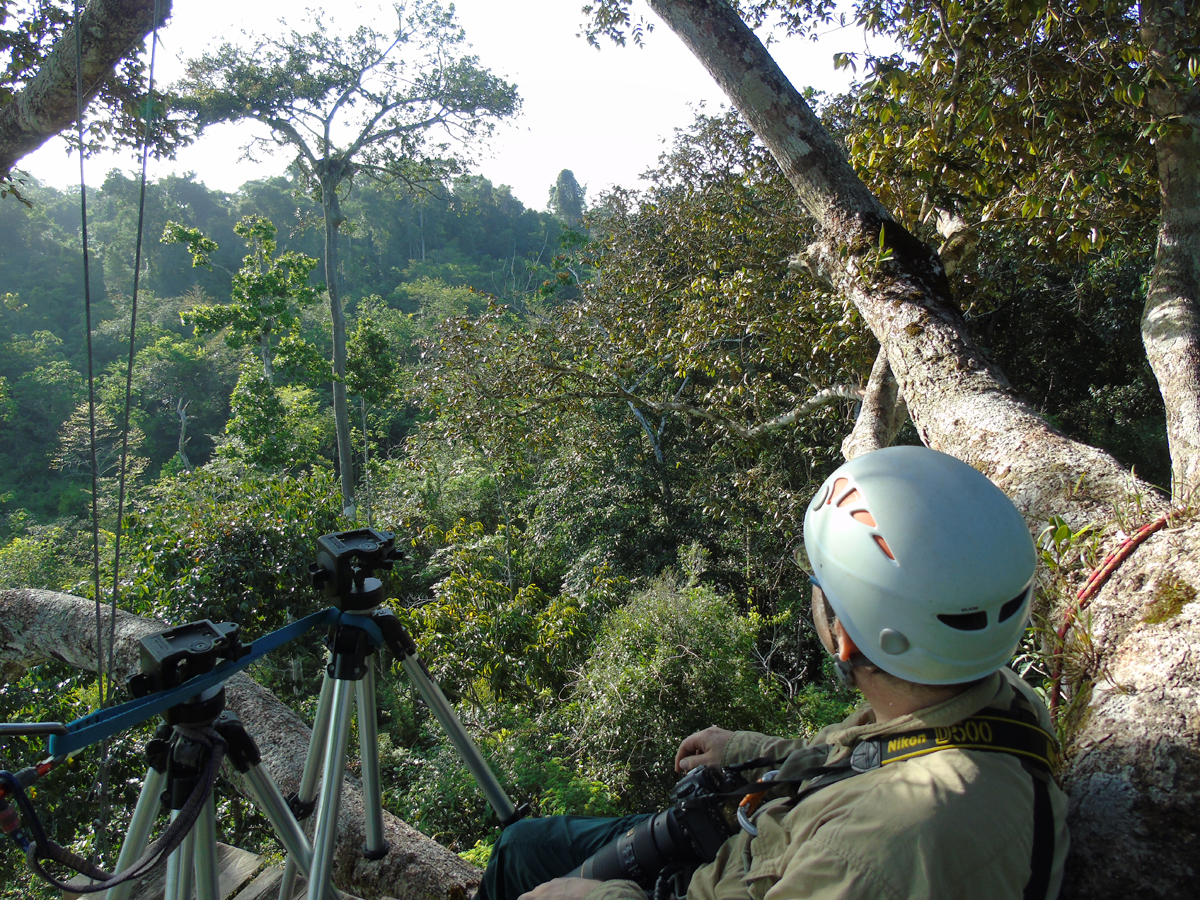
(105, 723)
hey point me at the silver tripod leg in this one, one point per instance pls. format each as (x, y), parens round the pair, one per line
(308, 781)
(444, 712)
(205, 851)
(144, 815)
(180, 867)
(368, 750)
(268, 798)
(325, 833)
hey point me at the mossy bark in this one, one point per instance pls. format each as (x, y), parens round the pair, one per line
(110, 30)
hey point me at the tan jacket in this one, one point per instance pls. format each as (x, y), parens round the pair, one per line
(950, 824)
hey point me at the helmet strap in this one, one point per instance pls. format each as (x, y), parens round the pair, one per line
(844, 672)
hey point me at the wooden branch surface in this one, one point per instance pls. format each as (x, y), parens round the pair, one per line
(111, 29)
(882, 414)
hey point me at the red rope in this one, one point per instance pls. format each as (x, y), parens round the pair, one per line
(1090, 589)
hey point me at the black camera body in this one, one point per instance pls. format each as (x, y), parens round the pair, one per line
(683, 836)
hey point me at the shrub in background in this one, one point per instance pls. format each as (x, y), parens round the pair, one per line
(674, 660)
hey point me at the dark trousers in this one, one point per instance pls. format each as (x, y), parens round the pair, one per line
(533, 851)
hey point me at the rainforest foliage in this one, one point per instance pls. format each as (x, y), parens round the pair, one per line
(575, 422)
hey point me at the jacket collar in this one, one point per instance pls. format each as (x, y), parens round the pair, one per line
(862, 725)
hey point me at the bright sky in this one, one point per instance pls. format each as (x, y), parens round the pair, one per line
(603, 114)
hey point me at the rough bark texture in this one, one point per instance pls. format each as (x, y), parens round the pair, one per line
(36, 626)
(1135, 776)
(882, 415)
(111, 30)
(958, 401)
(1171, 321)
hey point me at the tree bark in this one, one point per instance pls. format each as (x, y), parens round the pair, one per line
(111, 29)
(1171, 320)
(331, 173)
(36, 626)
(181, 409)
(1133, 774)
(1134, 768)
(882, 415)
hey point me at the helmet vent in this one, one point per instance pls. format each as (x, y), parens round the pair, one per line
(883, 546)
(850, 498)
(838, 486)
(976, 621)
(1009, 609)
(863, 516)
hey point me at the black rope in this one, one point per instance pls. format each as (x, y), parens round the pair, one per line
(87, 306)
(137, 271)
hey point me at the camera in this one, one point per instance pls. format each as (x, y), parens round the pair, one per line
(682, 837)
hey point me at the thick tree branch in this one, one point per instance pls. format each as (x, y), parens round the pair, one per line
(958, 401)
(882, 415)
(111, 30)
(37, 626)
(1171, 319)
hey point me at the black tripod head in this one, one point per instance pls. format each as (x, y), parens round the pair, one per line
(171, 657)
(344, 565)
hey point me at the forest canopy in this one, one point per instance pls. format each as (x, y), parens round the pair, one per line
(595, 429)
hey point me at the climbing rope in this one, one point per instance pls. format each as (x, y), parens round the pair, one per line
(148, 114)
(104, 672)
(1090, 589)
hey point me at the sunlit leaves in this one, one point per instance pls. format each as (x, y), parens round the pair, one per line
(1014, 115)
(267, 292)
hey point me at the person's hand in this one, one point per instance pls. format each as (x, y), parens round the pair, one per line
(562, 889)
(704, 748)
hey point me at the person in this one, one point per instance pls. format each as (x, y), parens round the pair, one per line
(923, 574)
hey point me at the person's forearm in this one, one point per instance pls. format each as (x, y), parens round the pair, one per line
(747, 745)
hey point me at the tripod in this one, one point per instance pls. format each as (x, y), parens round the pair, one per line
(180, 755)
(343, 567)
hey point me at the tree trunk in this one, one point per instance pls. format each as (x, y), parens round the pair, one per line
(111, 30)
(1171, 321)
(36, 626)
(882, 414)
(331, 176)
(181, 410)
(1135, 769)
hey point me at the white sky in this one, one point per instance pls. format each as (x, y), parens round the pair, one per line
(603, 114)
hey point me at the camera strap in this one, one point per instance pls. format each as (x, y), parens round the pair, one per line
(993, 731)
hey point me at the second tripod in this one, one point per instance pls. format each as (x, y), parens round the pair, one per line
(181, 764)
(343, 569)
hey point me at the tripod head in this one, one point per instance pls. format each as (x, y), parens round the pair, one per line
(344, 565)
(171, 657)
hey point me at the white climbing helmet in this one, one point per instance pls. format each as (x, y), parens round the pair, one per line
(928, 566)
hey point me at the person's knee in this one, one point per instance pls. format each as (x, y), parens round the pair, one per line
(520, 832)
